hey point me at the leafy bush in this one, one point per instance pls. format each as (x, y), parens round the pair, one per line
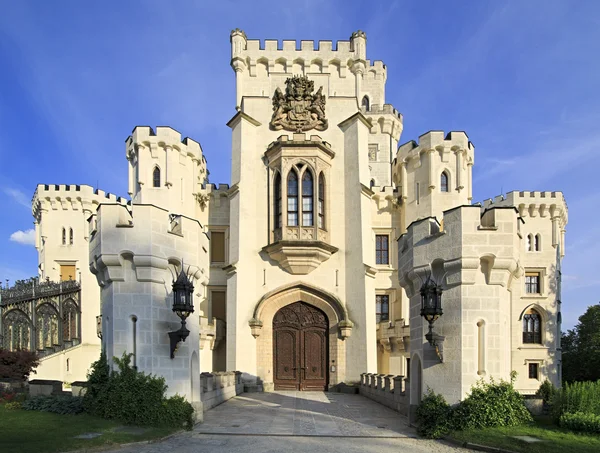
(133, 397)
(579, 421)
(491, 404)
(17, 365)
(546, 391)
(58, 404)
(13, 406)
(577, 397)
(433, 416)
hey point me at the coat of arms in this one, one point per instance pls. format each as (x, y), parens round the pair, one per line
(299, 109)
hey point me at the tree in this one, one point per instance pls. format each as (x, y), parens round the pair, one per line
(581, 348)
(17, 365)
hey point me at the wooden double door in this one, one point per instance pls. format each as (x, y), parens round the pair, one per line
(300, 346)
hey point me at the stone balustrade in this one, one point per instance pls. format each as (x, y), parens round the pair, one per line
(389, 390)
(219, 387)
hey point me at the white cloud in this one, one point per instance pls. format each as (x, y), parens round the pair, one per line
(19, 197)
(24, 237)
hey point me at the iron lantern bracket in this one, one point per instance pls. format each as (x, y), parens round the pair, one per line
(177, 336)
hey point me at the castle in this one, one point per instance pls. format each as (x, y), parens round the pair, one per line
(309, 267)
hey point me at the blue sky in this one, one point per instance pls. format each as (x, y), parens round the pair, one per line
(521, 78)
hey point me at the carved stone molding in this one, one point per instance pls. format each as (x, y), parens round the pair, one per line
(300, 256)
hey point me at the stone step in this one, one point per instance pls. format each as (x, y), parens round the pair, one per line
(253, 388)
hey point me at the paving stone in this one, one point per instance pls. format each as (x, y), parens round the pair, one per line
(305, 414)
(528, 439)
(88, 435)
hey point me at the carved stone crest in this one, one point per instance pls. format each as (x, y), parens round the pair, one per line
(299, 109)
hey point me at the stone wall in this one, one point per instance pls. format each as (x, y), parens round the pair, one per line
(219, 387)
(389, 390)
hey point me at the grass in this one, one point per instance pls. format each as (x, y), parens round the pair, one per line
(43, 432)
(554, 439)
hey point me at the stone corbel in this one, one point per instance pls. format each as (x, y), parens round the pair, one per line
(386, 343)
(345, 327)
(255, 327)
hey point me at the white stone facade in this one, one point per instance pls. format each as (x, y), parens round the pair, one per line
(376, 220)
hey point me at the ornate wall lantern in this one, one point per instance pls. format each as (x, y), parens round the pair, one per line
(183, 306)
(431, 310)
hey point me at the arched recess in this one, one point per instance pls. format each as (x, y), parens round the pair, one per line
(365, 103)
(416, 380)
(195, 377)
(262, 326)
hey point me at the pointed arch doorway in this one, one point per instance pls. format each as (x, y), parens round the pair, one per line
(300, 347)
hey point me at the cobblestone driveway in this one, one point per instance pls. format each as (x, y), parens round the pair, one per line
(305, 414)
(298, 422)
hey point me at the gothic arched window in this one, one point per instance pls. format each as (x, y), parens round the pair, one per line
(69, 320)
(532, 331)
(365, 103)
(17, 331)
(47, 326)
(321, 201)
(71, 236)
(444, 182)
(64, 236)
(156, 177)
(529, 242)
(307, 199)
(277, 201)
(537, 243)
(292, 199)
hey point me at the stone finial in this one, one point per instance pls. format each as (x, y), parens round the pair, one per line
(358, 34)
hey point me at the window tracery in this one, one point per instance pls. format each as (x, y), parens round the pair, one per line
(17, 330)
(46, 326)
(292, 199)
(532, 332)
(69, 320)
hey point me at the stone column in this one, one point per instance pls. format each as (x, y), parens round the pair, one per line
(432, 176)
(404, 179)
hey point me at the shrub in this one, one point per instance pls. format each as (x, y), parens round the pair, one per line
(579, 421)
(15, 405)
(133, 397)
(577, 397)
(546, 391)
(433, 416)
(7, 396)
(58, 404)
(491, 404)
(17, 365)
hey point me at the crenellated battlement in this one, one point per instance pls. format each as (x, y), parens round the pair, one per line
(533, 204)
(71, 197)
(436, 140)
(164, 136)
(291, 56)
(385, 119)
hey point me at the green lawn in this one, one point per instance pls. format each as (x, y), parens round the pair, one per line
(42, 432)
(554, 439)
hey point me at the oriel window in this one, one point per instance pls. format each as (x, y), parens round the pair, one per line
(277, 201)
(292, 199)
(307, 199)
(321, 201)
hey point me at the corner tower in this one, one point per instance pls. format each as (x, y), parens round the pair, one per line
(434, 174)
